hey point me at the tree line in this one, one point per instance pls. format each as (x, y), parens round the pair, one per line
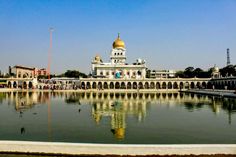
(191, 72)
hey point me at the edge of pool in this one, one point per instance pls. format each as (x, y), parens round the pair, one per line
(27, 147)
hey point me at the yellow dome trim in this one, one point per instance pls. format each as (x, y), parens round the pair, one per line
(118, 43)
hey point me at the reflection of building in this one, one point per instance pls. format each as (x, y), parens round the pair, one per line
(117, 67)
(117, 111)
(26, 100)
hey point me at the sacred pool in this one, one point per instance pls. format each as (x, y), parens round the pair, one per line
(120, 118)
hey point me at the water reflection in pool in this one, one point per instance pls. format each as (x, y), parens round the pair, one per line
(117, 117)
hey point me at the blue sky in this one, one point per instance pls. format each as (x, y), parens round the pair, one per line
(168, 34)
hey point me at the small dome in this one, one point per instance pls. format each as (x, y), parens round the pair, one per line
(118, 43)
(97, 58)
(216, 69)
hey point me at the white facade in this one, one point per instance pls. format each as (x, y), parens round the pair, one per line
(162, 74)
(117, 67)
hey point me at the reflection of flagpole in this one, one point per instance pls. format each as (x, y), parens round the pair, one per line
(49, 118)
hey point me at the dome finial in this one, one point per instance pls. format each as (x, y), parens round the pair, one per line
(118, 35)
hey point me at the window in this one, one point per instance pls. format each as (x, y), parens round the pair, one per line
(127, 73)
(115, 54)
(101, 73)
(120, 53)
(107, 73)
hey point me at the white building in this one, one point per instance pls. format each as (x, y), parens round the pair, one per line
(162, 73)
(117, 67)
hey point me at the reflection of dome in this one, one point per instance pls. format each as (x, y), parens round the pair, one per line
(120, 133)
(97, 118)
(118, 43)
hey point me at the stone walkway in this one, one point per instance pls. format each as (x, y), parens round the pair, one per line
(221, 93)
(113, 149)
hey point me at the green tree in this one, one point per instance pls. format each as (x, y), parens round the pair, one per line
(188, 72)
(228, 71)
(74, 74)
(179, 74)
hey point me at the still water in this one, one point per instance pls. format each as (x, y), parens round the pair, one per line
(160, 118)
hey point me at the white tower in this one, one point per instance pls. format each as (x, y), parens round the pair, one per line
(118, 51)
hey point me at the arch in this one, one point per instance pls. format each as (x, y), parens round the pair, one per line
(186, 86)
(163, 85)
(175, 85)
(82, 85)
(111, 85)
(146, 85)
(105, 85)
(26, 75)
(9, 84)
(14, 84)
(169, 85)
(158, 85)
(232, 85)
(192, 85)
(204, 85)
(30, 85)
(198, 85)
(181, 85)
(135, 86)
(152, 85)
(99, 85)
(88, 85)
(24, 85)
(123, 85)
(94, 86)
(117, 85)
(140, 85)
(129, 86)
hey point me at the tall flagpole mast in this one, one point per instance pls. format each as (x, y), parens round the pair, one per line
(50, 52)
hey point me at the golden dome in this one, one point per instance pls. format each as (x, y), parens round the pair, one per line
(118, 43)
